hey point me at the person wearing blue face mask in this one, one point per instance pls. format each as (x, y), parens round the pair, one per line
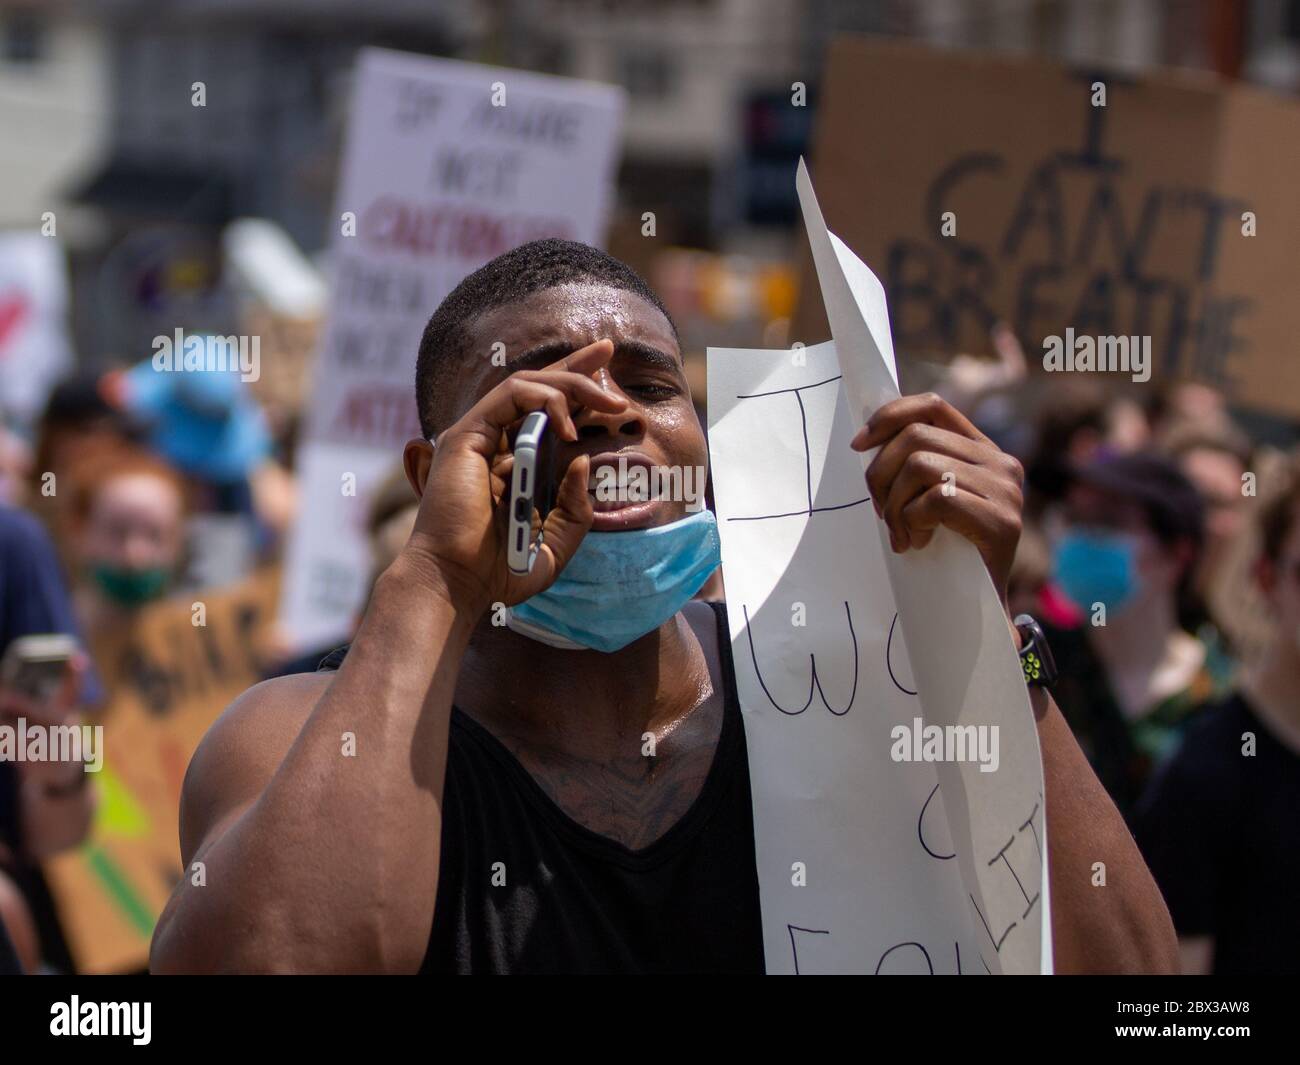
(1097, 565)
(1124, 553)
(551, 771)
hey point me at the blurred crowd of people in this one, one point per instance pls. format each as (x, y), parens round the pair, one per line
(1161, 551)
(135, 486)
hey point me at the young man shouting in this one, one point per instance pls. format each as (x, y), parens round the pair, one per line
(499, 815)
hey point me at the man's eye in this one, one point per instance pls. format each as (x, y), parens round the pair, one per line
(653, 390)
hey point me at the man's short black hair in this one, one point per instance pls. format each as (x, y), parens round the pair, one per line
(514, 275)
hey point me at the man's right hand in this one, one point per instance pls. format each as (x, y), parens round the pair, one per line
(461, 530)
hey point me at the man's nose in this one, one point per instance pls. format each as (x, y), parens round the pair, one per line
(593, 423)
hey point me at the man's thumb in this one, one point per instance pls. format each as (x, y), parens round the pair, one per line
(567, 523)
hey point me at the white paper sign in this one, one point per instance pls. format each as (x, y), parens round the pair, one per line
(446, 165)
(857, 667)
(34, 347)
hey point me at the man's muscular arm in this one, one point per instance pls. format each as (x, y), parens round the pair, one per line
(314, 860)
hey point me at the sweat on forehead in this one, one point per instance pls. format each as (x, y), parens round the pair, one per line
(508, 279)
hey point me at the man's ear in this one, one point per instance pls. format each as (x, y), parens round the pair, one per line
(417, 457)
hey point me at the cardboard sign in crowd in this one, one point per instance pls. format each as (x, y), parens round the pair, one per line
(982, 187)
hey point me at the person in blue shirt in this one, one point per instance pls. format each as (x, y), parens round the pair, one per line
(45, 807)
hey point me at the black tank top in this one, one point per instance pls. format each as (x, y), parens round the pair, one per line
(574, 901)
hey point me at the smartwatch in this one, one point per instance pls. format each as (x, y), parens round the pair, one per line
(1035, 656)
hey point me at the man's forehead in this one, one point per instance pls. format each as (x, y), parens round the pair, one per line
(572, 316)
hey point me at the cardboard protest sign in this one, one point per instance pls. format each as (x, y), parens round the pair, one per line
(985, 187)
(446, 165)
(168, 679)
(898, 791)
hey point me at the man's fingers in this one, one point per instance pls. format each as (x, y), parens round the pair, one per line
(935, 468)
(501, 468)
(981, 521)
(922, 471)
(929, 408)
(519, 395)
(586, 360)
(561, 389)
(580, 391)
(921, 437)
(565, 525)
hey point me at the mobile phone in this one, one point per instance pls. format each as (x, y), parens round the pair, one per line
(35, 666)
(532, 488)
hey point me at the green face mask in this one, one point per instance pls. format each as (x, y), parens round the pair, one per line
(130, 587)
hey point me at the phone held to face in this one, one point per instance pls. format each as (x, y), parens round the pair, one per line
(35, 666)
(532, 488)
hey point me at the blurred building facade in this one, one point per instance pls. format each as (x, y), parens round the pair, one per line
(98, 103)
(54, 106)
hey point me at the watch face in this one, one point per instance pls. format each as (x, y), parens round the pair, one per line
(1035, 655)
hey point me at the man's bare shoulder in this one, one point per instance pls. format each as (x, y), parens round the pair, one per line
(242, 750)
(267, 712)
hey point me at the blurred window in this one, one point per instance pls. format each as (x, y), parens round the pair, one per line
(23, 38)
(647, 73)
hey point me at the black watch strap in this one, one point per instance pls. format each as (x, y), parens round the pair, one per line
(1035, 655)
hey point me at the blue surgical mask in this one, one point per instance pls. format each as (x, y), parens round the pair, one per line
(621, 585)
(1094, 566)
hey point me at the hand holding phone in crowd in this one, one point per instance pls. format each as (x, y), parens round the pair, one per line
(42, 679)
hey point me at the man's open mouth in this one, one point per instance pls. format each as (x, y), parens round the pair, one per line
(625, 491)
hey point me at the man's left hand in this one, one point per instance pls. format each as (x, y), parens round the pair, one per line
(935, 468)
